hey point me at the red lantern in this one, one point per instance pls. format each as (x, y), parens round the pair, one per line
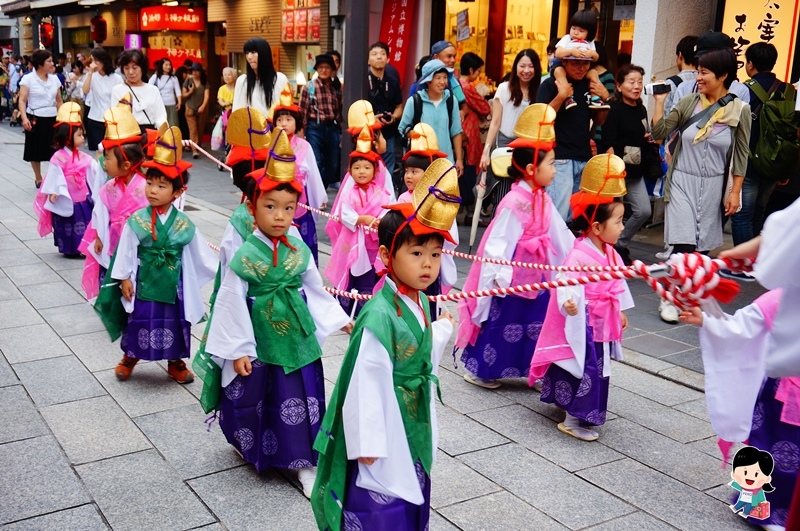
(99, 29)
(46, 34)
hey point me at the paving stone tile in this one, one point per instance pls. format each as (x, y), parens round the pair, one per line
(85, 518)
(25, 275)
(541, 435)
(31, 343)
(723, 493)
(58, 380)
(521, 393)
(146, 478)
(173, 432)
(646, 303)
(642, 361)
(95, 350)
(658, 389)
(148, 390)
(691, 359)
(43, 246)
(230, 496)
(36, 479)
(674, 424)
(7, 376)
(655, 345)
(567, 499)
(438, 522)
(465, 397)
(59, 262)
(336, 344)
(17, 257)
(689, 378)
(74, 278)
(498, 510)
(450, 478)
(677, 460)
(17, 313)
(688, 334)
(92, 429)
(663, 497)
(9, 242)
(18, 416)
(51, 294)
(459, 434)
(710, 447)
(633, 522)
(696, 408)
(73, 320)
(331, 365)
(632, 332)
(8, 290)
(649, 322)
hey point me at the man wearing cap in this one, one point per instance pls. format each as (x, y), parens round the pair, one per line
(437, 112)
(711, 40)
(321, 111)
(384, 93)
(573, 148)
(445, 51)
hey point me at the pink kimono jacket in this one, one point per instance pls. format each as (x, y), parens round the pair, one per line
(68, 177)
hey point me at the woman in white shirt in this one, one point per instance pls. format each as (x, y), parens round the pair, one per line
(261, 86)
(146, 103)
(39, 100)
(75, 86)
(169, 86)
(100, 79)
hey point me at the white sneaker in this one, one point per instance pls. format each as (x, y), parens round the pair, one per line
(668, 312)
(665, 254)
(307, 477)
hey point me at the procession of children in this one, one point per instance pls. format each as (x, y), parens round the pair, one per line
(365, 457)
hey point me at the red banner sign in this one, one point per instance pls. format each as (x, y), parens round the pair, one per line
(173, 18)
(176, 56)
(396, 28)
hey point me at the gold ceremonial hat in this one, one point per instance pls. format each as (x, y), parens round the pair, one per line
(535, 127)
(364, 146)
(281, 160)
(248, 127)
(359, 115)
(69, 113)
(126, 101)
(121, 127)
(285, 101)
(438, 183)
(169, 148)
(423, 142)
(604, 176)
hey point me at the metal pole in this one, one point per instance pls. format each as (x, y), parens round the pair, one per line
(356, 41)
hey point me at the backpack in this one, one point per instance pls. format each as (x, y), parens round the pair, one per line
(776, 155)
(676, 80)
(418, 114)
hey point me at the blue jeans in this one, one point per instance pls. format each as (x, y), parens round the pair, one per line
(325, 141)
(566, 183)
(745, 507)
(747, 223)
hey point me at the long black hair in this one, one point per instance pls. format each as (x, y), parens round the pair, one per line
(160, 68)
(750, 455)
(266, 76)
(598, 213)
(513, 81)
(101, 56)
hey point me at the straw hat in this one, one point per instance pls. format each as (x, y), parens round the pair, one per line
(423, 142)
(168, 154)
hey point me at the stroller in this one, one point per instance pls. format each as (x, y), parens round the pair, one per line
(219, 134)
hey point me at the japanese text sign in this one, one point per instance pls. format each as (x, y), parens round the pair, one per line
(174, 18)
(396, 29)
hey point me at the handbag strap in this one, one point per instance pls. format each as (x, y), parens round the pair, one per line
(138, 101)
(706, 114)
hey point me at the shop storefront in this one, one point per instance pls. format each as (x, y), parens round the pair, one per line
(76, 33)
(176, 33)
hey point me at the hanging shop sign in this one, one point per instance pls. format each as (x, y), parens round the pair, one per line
(172, 18)
(396, 28)
(300, 21)
(133, 40)
(748, 22)
(175, 55)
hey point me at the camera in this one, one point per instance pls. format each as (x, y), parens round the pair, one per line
(657, 88)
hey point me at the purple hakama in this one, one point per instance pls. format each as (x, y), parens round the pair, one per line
(365, 509)
(585, 398)
(68, 232)
(157, 330)
(504, 346)
(364, 284)
(272, 418)
(307, 228)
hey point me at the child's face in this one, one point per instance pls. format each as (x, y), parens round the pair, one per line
(77, 138)
(227, 76)
(362, 171)
(415, 265)
(750, 477)
(610, 229)
(412, 177)
(113, 166)
(576, 32)
(287, 123)
(274, 212)
(546, 171)
(159, 192)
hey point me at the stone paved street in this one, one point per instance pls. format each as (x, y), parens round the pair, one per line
(80, 450)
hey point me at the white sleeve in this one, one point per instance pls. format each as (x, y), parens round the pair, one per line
(198, 268)
(500, 243)
(316, 190)
(153, 79)
(625, 298)
(231, 335)
(240, 93)
(101, 222)
(230, 243)
(55, 182)
(158, 111)
(562, 43)
(779, 255)
(176, 87)
(126, 263)
(95, 179)
(348, 216)
(328, 315)
(448, 271)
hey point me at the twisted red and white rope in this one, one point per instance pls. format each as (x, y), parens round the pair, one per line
(195, 147)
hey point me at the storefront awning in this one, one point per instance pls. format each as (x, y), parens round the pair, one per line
(41, 4)
(13, 9)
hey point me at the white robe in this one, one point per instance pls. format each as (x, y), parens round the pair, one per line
(231, 335)
(55, 182)
(373, 425)
(777, 267)
(198, 267)
(501, 244)
(316, 195)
